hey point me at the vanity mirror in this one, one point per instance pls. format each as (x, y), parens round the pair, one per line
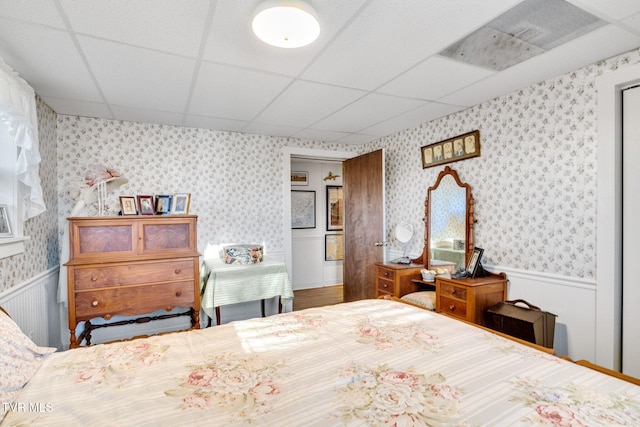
(448, 235)
(404, 234)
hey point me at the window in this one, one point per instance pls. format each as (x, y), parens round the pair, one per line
(19, 165)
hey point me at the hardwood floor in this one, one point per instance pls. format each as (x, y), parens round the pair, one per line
(317, 297)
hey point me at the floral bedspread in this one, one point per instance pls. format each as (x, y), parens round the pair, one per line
(372, 362)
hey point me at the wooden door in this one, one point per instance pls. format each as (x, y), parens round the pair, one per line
(363, 189)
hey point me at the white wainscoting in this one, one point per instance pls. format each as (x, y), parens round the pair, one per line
(34, 307)
(572, 299)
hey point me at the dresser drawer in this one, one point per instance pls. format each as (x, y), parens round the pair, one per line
(453, 307)
(133, 300)
(385, 273)
(448, 290)
(385, 286)
(96, 277)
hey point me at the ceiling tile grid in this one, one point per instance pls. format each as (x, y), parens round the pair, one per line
(376, 69)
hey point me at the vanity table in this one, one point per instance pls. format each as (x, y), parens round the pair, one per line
(469, 298)
(396, 279)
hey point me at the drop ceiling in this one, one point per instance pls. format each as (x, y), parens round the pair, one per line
(378, 67)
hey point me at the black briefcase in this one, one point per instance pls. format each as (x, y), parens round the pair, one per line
(527, 323)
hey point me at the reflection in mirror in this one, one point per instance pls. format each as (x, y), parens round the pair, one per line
(448, 223)
(448, 232)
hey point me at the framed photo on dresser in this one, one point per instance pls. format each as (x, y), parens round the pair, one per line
(128, 205)
(145, 205)
(163, 204)
(181, 203)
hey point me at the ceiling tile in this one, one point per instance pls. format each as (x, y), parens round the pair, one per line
(234, 93)
(633, 21)
(434, 78)
(136, 77)
(413, 118)
(366, 112)
(616, 9)
(204, 122)
(166, 25)
(320, 135)
(146, 116)
(265, 129)
(355, 139)
(40, 12)
(390, 36)
(46, 58)
(70, 108)
(304, 103)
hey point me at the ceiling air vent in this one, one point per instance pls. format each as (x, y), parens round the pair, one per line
(527, 30)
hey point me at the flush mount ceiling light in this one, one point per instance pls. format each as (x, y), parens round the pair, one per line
(287, 24)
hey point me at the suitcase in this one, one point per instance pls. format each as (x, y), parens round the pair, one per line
(527, 323)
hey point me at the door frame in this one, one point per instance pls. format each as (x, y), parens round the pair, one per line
(289, 153)
(609, 212)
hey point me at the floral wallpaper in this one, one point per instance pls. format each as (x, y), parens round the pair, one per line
(235, 179)
(535, 183)
(41, 250)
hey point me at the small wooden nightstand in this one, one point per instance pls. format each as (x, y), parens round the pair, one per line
(468, 299)
(395, 279)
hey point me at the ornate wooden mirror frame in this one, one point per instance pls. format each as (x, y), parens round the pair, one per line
(425, 258)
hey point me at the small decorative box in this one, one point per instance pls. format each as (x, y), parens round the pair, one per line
(242, 254)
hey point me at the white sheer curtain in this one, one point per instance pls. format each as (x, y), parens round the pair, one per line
(19, 128)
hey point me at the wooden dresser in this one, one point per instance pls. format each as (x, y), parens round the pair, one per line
(131, 266)
(468, 299)
(395, 279)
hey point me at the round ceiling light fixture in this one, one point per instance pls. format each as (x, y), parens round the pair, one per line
(287, 24)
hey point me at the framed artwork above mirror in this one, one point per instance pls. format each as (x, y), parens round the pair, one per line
(450, 150)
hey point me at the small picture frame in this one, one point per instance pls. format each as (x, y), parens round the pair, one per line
(333, 247)
(181, 203)
(335, 208)
(163, 204)
(474, 267)
(299, 178)
(303, 209)
(128, 205)
(450, 150)
(146, 206)
(5, 224)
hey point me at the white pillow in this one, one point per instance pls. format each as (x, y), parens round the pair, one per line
(20, 358)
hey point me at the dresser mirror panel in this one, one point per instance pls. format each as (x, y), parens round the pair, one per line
(448, 240)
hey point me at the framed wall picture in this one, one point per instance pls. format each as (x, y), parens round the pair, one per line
(299, 178)
(163, 204)
(5, 224)
(181, 202)
(450, 150)
(303, 209)
(128, 205)
(333, 247)
(335, 208)
(145, 205)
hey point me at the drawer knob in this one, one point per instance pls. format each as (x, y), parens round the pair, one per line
(178, 271)
(386, 274)
(178, 293)
(452, 307)
(94, 303)
(107, 317)
(94, 278)
(386, 286)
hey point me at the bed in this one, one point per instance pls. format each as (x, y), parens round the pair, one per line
(370, 362)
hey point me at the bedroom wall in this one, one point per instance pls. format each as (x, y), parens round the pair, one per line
(534, 188)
